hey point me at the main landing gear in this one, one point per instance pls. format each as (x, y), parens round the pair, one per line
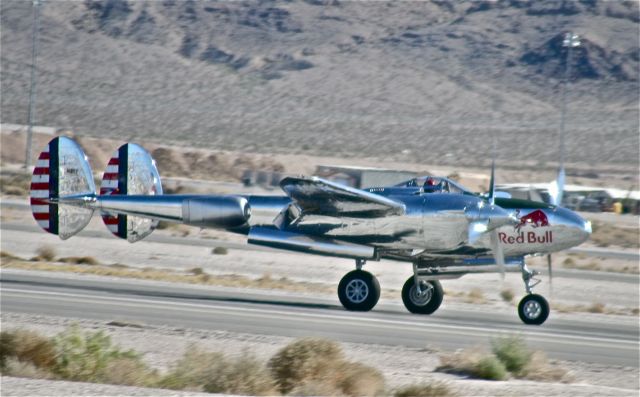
(421, 296)
(359, 290)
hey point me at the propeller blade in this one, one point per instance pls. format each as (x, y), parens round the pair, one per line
(498, 255)
(550, 268)
(556, 188)
(492, 182)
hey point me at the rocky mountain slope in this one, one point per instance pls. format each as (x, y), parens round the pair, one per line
(427, 82)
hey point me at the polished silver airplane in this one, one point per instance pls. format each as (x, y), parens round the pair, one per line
(444, 230)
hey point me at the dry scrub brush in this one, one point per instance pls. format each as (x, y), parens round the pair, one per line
(317, 366)
(510, 356)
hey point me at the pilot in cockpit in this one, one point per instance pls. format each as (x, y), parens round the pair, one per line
(432, 185)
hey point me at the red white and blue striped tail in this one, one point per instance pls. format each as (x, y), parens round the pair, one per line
(130, 171)
(61, 171)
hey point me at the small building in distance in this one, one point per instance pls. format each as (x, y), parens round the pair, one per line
(363, 177)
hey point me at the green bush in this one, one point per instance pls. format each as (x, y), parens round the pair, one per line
(220, 251)
(85, 356)
(434, 389)
(305, 360)
(513, 352)
(489, 368)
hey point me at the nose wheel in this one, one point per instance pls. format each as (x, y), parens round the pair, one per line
(533, 309)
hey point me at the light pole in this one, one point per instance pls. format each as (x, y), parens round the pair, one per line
(32, 88)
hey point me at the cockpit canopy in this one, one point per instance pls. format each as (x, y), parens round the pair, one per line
(435, 184)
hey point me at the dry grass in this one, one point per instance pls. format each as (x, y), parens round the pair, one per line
(15, 184)
(80, 260)
(27, 347)
(580, 262)
(475, 296)
(596, 308)
(433, 389)
(606, 234)
(149, 273)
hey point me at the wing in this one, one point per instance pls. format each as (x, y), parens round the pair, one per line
(316, 196)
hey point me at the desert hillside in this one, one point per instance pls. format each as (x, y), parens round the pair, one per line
(424, 82)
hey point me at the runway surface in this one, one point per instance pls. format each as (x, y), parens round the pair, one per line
(276, 313)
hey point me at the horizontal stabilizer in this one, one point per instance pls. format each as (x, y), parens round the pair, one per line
(62, 170)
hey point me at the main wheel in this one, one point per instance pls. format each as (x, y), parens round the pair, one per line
(359, 291)
(533, 309)
(426, 301)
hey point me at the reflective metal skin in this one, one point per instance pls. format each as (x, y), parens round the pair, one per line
(444, 230)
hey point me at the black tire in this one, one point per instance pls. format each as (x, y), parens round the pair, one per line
(359, 291)
(533, 309)
(429, 302)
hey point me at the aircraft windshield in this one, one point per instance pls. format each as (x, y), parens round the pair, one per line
(433, 184)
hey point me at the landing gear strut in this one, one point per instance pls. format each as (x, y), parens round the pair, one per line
(359, 290)
(533, 309)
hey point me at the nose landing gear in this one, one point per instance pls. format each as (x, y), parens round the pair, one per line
(533, 309)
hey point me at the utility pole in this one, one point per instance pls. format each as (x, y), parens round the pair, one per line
(32, 88)
(570, 41)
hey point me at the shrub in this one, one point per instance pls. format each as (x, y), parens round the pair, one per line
(193, 370)
(27, 347)
(474, 363)
(512, 351)
(127, 371)
(356, 379)
(22, 369)
(434, 389)
(214, 373)
(7, 348)
(86, 356)
(490, 368)
(220, 251)
(196, 271)
(244, 375)
(539, 369)
(81, 260)
(596, 308)
(507, 295)
(305, 360)
(46, 253)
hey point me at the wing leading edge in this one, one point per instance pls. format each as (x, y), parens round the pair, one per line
(317, 196)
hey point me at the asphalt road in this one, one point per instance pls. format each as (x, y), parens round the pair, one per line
(274, 313)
